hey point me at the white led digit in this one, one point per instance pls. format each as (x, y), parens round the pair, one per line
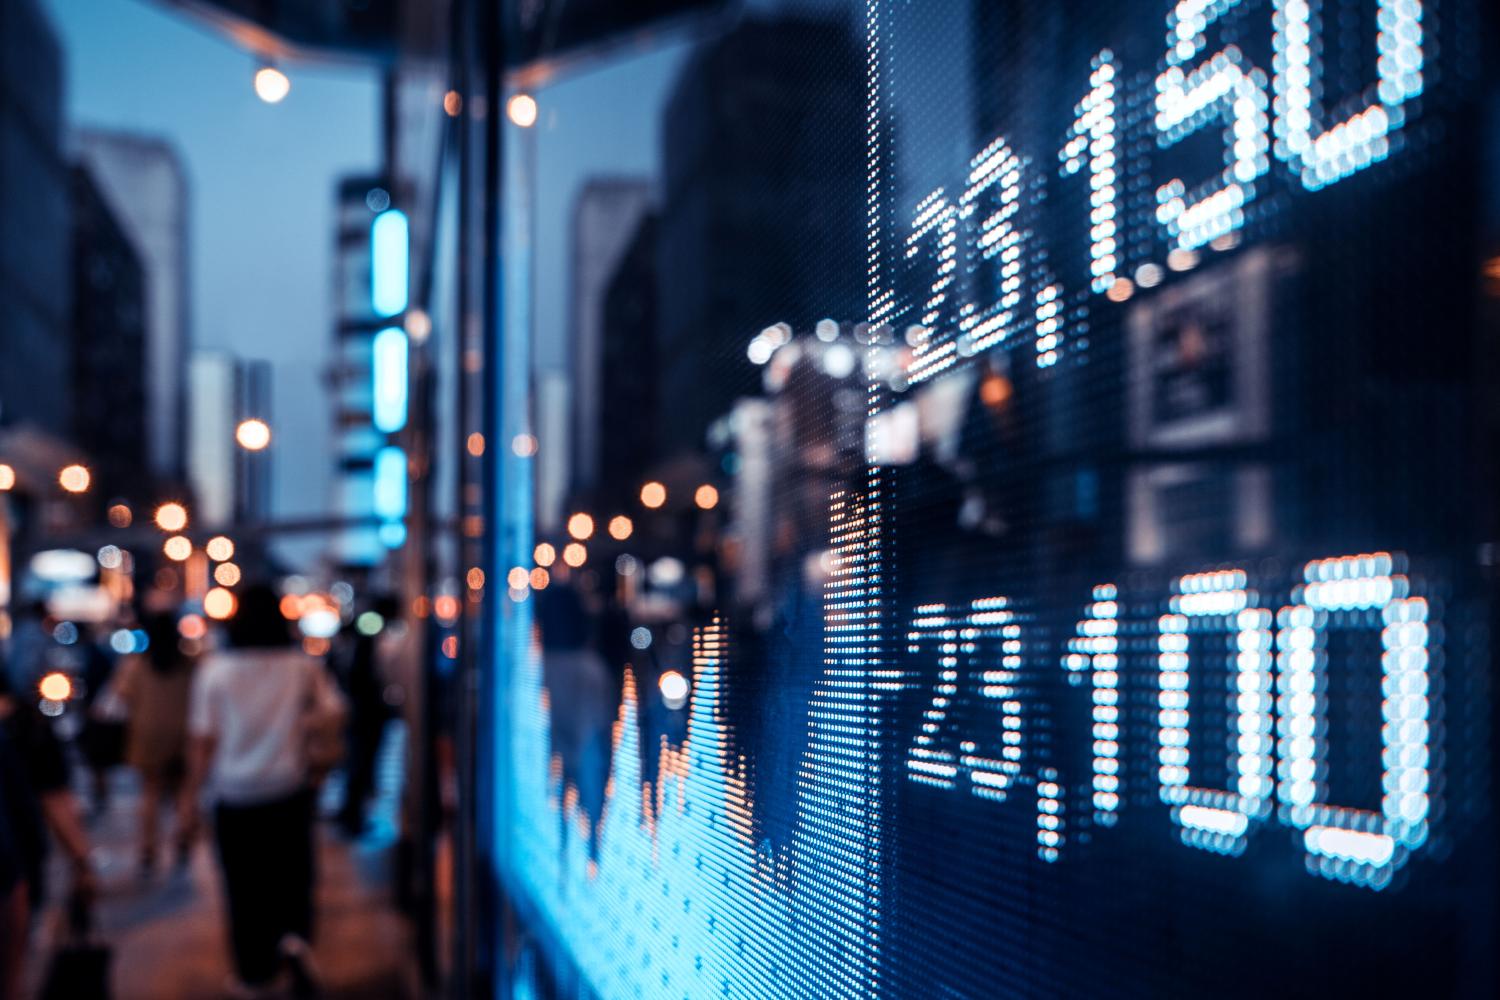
(937, 221)
(1095, 649)
(1325, 155)
(1049, 815)
(1091, 141)
(990, 206)
(1225, 87)
(1211, 818)
(931, 761)
(1360, 846)
(1049, 325)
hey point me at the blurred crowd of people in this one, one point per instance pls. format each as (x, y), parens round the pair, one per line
(234, 730)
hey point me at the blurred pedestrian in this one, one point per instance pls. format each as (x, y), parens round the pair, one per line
(153, 688)
(102, 739)
(364, 684)
(30, 645)
(255, 713)
(35, 798)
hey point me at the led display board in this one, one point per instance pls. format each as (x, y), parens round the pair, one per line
(1104, 608)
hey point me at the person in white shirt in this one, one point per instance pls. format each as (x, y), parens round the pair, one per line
(252, 710)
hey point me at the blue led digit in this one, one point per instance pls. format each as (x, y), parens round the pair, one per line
(1360, 846)
(1227, 88)
(1325, 155)
(1096, 649)
(1216, 819)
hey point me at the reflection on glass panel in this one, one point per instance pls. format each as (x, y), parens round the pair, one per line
(999, 504)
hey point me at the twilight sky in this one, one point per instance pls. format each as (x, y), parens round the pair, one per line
(262, 185)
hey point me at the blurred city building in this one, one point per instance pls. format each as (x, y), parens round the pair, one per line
(628, 407)
(143, 180)
(35, 380)
(605, 219)
(110, 406)
(351, 372)
(231, 484)
(762, 139)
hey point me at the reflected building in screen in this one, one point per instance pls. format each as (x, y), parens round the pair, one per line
(760, 165)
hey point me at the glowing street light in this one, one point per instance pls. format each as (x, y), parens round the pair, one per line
(74, 478)
(177, 548)
(706, 497)
(620, 527)
(7, 477)
(653, 494)
(171, 517)
(219, 548)
(253, 434)
(581, 526)
(219, 604)
(56, 686)
(272, 85)
(522, 110)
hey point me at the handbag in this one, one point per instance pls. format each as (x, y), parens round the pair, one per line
(79, 969)
(322, 732)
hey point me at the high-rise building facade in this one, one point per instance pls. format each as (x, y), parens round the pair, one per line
(369, 298)
(145, 184)
(605, 219)
(230, 483)
(34, 191)
(108, 345)
(762, 145)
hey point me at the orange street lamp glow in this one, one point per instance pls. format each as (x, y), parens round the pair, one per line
(620, 528)
(706, 497)
(7, 477)
(56, 686)
(219, 604)
(544, 554)
(171, 517)
(74, 479)
(653, 494)
(253, 434)
(272, 85)
(226, 574)
(219, 548)
(522, 110)
(575, 555)
(177, 548)
(120, 516)
(581, 526)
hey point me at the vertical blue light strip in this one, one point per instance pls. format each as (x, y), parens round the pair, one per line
(389, 251)
(390, 483)
(388, 355)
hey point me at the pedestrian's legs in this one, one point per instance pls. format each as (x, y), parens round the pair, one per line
(15, 917)
(187, 821)
(300, 867)
(248, 840)
(151, 789)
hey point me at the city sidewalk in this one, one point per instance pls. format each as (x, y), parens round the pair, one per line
(167, 932)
